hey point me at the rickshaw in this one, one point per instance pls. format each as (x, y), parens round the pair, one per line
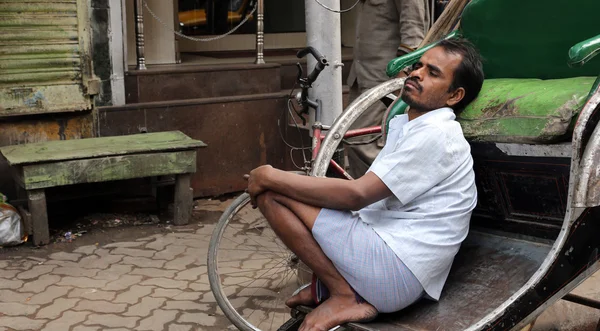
(535, 141)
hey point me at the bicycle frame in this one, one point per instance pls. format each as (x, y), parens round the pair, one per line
(318, 136)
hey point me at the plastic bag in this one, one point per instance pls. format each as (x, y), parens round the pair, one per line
(11, 227)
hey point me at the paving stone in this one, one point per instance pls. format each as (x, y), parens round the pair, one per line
(8, 274)
(12, 296)
(17, 309)
(36, 272)
(149, 238)
(40, 284)
(160, 243)
(68, 319)
(19, 263)
(197, 318)
(134, 294)
(179, 327)
(207, 229)
(86, 328)
(157, 321)
(188, 296)
(145, 306)
(86, 250)
(102, 252)
(165, 283)
(3, 264)
(21, 323)
(124, 244)
(180, 263)
(170, 252)
(51, 293)
(84, 282)
(62, 263)
(64, 256)
(75, 272)
(207, 297)
(153, 272)
(99, 262)
(56, 308)
(39, 260)
(92, 294)
(191, 274)
(195, 243)
(201, 287)
(183, 235)
(122, 283)
(143, 262)
(185, 305)
(111, 321)
(166, 293)
(10, 283)
(133, 252)
(100, 306)
(114, 272)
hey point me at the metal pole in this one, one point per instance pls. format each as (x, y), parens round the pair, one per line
(139, 34)
(260, 34)
(323, 32)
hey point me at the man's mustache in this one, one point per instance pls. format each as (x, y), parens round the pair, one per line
(415, 82)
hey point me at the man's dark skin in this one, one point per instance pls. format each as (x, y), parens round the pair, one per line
(291, 202)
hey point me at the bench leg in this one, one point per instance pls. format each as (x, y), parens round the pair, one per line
(183, 199)
(39, 217)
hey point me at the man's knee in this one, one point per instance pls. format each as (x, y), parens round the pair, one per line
(266, 199)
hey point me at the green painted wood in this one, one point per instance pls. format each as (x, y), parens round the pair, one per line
(98, 147)
(44, 175)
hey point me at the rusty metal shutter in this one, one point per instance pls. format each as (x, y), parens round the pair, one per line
(45, 64)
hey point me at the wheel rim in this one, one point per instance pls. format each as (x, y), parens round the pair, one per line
(253, 272)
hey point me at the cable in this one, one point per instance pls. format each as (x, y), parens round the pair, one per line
(338, 11)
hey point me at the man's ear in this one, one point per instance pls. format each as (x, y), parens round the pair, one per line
(456, 96)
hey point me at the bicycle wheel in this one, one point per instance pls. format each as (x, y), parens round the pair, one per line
(251, 272)
(346, 119)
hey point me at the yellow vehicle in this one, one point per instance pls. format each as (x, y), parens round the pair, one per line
(193, 13)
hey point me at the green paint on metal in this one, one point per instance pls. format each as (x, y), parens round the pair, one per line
(525, 110)
(398, 108)
(398, 64)
(98, 147)
(531, 39)
(584, 51)
(44, 175)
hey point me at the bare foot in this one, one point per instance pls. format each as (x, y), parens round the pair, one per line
(303, 298)
(337, 310)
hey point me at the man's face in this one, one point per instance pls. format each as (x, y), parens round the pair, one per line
(426, 88)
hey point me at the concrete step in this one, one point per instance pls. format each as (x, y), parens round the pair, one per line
(180, 82)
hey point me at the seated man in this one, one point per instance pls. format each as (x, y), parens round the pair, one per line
(383, 241)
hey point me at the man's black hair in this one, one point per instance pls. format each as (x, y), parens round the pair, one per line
(468, 74)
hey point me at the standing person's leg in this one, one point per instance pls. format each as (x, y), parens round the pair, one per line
(293, 221)
(360, 157)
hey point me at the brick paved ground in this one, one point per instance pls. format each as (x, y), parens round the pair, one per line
(144, 279)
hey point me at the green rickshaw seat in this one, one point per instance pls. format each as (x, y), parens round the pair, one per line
(535, 80)
(525, 110)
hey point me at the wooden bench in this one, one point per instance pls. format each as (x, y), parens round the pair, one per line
(38, 166)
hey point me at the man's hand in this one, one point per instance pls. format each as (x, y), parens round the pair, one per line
(256, 182)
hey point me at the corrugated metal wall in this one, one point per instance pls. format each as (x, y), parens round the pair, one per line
(45, 63)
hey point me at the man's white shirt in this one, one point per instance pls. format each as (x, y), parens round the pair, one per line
(427, 165)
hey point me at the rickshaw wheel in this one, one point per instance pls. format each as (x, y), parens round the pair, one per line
(251, 272)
